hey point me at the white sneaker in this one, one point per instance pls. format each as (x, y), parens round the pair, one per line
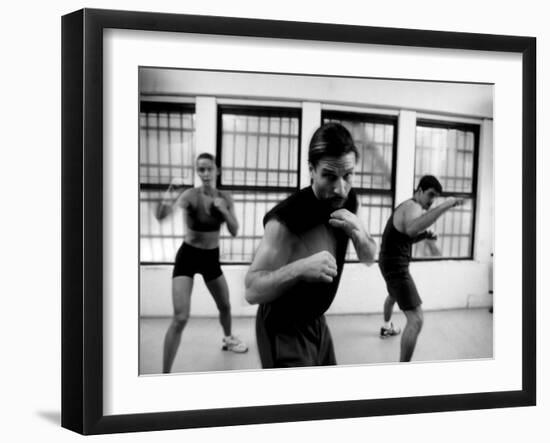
(389, 332)
(234, 344)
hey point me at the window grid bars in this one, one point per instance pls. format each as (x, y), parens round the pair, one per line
(264, 179)
(159, 122)
(166, 151)
(449, 152)
(247, 204)
(270, 169)
(375, 138)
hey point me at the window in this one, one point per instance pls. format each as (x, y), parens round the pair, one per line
(375, 138)
(166, 151)
(449, 151)
(259, 154)
(167, 138)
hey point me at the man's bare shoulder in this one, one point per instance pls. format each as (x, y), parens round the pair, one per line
(406, 207)
(276, 230)
(276, 248)
(278, 236)
(409, 205)
(407, 210)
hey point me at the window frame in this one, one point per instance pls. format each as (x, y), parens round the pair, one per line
(368, 117)
(255, 110)
(159, 106)
(473, 195)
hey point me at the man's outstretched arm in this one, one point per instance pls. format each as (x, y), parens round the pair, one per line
(415, 222)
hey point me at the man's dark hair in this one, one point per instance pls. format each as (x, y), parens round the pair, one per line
(207, 156)
(429, 181)
(330, 140)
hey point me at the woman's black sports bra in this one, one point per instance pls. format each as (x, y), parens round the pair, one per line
(201, 215)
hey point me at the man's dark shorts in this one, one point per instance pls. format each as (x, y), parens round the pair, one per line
(191, 260)
(401, 287)
(294, 345)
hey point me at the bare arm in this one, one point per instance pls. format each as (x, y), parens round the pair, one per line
(271, 274)
(426, 235)
(172, 198)
(364, 244)
(415, 222)
(227, 209)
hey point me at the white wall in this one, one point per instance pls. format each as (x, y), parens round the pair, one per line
(362, 289)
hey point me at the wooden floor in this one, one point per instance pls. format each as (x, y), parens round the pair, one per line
(447, 335)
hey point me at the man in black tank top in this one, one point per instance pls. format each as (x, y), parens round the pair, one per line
(296, 270)
(406, 226)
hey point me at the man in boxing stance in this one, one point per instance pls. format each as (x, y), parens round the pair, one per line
(297, 267)
(407, 225)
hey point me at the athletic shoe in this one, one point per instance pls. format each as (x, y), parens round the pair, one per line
(389, 332)
(234, 344)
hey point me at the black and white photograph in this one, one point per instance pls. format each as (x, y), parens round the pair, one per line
(287, 221)
(275, 222)
(291, 221)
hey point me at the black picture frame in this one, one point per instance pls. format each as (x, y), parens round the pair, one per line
(82, 230)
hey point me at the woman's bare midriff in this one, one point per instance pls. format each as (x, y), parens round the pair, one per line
(201, 239)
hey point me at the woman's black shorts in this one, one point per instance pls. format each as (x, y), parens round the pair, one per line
(191, 260)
